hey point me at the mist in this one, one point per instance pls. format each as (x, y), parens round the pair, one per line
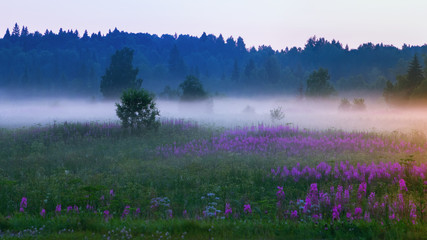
(225, 112)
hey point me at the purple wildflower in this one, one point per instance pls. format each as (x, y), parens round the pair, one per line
(402, 185)
(112, 192)
(43, 213)
(228, 209)
(126, 211)
(280, 193)
(58, 208)
(247, 208)
(294, 214)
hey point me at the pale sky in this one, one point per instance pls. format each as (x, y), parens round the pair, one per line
(279, 23)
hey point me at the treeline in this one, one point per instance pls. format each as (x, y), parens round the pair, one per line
(69, 62)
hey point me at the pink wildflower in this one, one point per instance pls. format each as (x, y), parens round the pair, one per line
(247, 208)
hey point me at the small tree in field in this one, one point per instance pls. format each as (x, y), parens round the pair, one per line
(137, 109)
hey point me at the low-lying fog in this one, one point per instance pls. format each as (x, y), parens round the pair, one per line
(225, 112)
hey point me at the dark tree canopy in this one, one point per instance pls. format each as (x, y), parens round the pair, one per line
(120, 75)
(192, 89)
(58, 63)
(318, 84)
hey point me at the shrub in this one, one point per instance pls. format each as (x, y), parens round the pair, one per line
(276, 114)
(359, 104)
(345, 104)
(137, 110)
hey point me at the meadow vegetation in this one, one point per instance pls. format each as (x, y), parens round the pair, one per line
(187, 181)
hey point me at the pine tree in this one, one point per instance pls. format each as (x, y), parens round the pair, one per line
(415, 74)
(15, 31)
(7, 34)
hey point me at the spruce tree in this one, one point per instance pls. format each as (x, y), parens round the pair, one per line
(415, 74)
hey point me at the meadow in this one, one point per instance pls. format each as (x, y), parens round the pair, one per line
(185, 180)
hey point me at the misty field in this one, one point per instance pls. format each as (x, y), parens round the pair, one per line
(192, 181)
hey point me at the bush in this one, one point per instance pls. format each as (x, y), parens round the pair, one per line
(345, 104)
(359, 104)
(137, 110)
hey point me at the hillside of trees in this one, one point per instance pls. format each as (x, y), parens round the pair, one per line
(72, 63)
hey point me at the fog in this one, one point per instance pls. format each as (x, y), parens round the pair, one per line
(228, 112)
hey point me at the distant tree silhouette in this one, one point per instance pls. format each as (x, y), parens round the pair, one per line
(192, 89)
(7, 34)
(120, 75)
(250, 70)
(236, 73)
(413, 85)
(318, 84)
(177, 66)
(272, 69)
(16, 31)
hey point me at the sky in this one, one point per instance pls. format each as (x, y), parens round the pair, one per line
(279, 23)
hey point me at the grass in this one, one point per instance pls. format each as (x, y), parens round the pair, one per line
(78, 164)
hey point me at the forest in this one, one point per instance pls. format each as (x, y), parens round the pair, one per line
(69, 63)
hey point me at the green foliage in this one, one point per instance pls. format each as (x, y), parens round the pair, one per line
(192, 89)
(318, 84)
(137, 109)
(120, 75)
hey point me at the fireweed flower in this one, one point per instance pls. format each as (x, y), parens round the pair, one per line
(69, 208)
(402, 185)
(280, 193)
(170, 213)
(43, 213)
(335, 212)
(362, 190)
(247, 208)
(76, 209)
(294, 214)
(58, 208)
(358, 213)
(126, 211)
(106, 215)
(23, 202)
(228, 209)
(112, 193)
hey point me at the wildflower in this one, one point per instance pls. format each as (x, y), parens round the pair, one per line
(58, 208)
(280, 193)
(43, 213)
(348, 215)
(228, 209)
(106, 215)
(138, 211)
(23, 202)
(102, 198)
(184, 213)
(294, 214)
(362, 190)
(126, 211)
(76, 209)
(170, 213)
(367, 217)
(413, 212)
(402, 185)
(247, 208)
(335, 213)
(358, 213)
(112, 193)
